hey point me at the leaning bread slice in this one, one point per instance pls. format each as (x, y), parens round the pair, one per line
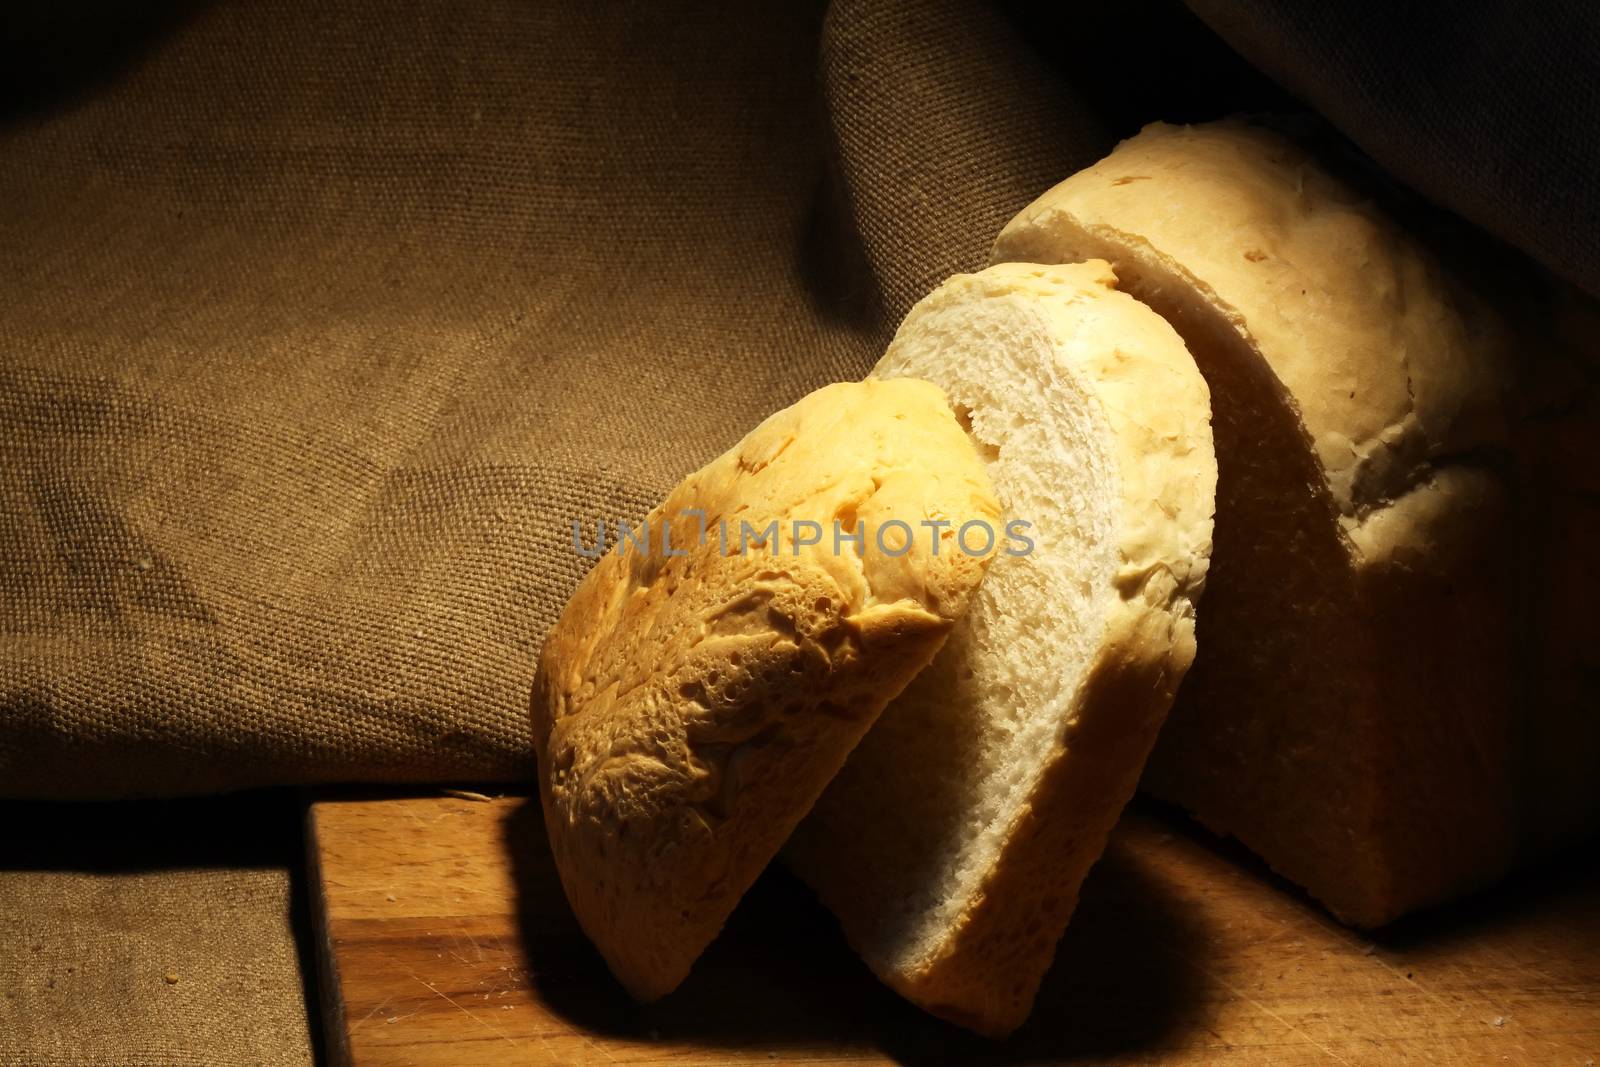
(1349, 716)
(953, 843)
(702, 687)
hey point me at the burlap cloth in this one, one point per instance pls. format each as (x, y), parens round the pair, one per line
(157, 932)
(319, 324)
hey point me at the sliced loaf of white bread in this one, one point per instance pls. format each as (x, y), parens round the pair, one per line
(952, 844)
(1350, 716)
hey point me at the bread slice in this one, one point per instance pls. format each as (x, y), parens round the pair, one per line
(698, 693)
(1349, 715)
(953, 843)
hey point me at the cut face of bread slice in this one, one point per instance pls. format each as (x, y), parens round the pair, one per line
(1348, 714)
(698, 692)
(952, 844)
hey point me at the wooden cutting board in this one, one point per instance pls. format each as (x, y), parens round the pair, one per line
(446, 941)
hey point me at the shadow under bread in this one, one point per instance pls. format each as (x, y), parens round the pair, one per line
(781, 975)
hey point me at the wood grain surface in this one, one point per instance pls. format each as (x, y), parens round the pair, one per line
(446, 941)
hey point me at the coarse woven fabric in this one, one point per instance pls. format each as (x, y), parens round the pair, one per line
(324, 323)
(152, 933)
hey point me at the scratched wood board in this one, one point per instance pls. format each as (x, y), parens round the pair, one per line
(445, 941)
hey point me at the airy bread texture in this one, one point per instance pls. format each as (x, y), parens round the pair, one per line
(693, 700)
(1349, 715)
(953, 843)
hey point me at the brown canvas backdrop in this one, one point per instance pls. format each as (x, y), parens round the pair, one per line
(320, 323)
(325, 323)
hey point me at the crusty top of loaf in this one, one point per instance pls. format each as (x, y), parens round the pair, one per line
(1390, 368)
(689, 708)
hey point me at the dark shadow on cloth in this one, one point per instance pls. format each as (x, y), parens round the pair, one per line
(1183, 72)
(833, 264)
(54, 54)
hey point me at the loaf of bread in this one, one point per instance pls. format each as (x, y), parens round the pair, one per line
(702, 687)
(1392, 698)
(1351, 714)
(953, 842)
